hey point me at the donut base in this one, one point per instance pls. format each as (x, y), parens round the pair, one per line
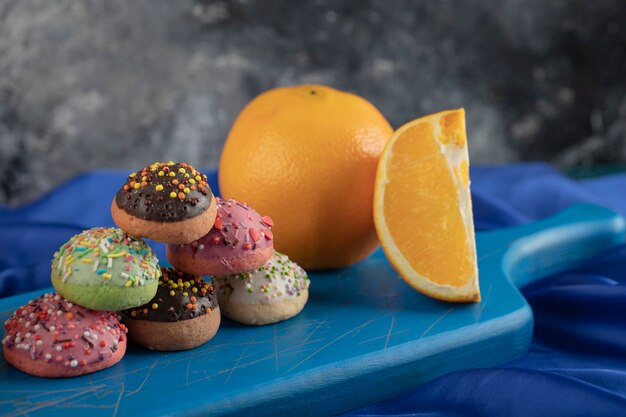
(176, 233)
(260, 314)
(195, 264)
(43, 368)
(173, 336)
(105, 298)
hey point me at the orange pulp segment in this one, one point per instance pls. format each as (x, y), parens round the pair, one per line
(423, 207)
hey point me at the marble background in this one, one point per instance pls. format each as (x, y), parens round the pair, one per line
(119, 83)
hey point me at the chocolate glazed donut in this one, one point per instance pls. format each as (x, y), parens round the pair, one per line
(182, 315)
(170, 203)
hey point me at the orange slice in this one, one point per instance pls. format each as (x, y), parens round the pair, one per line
(423, 207)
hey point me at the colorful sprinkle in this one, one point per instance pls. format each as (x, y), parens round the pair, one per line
(172, 302)
(277, 280)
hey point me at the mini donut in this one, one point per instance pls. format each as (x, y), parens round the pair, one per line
(239, 241)
(274, 292)
(52, 337)
(105, 269)
(182, 315)
(170, 203)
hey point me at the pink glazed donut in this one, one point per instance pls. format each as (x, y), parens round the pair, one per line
(240, 240)
(52, 337)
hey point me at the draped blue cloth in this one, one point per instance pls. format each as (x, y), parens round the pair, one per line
(576, 365)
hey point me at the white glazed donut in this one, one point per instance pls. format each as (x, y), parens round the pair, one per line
(274, 292)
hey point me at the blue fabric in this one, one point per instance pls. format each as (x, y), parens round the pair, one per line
(576, 365)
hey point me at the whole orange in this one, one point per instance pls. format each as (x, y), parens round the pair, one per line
(307, 156)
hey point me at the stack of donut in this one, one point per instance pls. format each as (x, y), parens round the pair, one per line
(103, 271)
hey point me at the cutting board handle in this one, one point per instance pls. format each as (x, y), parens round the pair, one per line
(560, 242)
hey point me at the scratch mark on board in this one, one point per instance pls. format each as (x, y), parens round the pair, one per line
(275, 347)
(243, 353)
(243, 365)
(306, 339)
(90, 382)
(336, 339)
(199, 353)
(36, 393)
(43, 404)
(150, 369)
(484, 303)
(90, 406)
(393, 321)
(134, 371)
(308, 342)
(119, 400)
(188, 368)
(381, 337)
(387, 314)
(436, 321)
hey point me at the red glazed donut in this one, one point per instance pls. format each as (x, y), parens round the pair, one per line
(239, 241)
(52, 337)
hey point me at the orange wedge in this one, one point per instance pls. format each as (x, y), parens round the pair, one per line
(423, 207)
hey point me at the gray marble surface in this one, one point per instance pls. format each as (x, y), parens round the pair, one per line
(88, 84)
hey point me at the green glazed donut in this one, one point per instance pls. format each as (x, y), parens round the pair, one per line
(106, 269)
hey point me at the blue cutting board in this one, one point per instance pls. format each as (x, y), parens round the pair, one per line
(363, 337)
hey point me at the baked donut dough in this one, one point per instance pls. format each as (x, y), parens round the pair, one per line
(182, 315)
(240, 240)
(170, 203)
(105, 269)
(274, 292)
(53, 337)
